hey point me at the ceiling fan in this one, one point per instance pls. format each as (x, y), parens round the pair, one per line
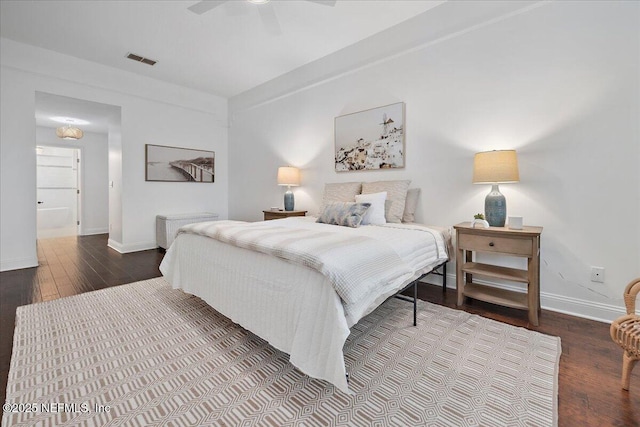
(266, 11)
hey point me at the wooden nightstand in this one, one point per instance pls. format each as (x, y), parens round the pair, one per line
(268, 215)
(504, 241)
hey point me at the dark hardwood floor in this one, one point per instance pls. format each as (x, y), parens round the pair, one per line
(590, 365)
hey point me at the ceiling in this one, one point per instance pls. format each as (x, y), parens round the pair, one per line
(224, 51)
(53, 111)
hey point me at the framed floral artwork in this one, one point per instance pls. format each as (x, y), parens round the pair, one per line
(370, 139)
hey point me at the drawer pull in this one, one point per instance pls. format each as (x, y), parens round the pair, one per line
(490, 243)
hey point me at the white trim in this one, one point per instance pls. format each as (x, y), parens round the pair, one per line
(559, 303)
(578, 307)
(75, 229)
(79, 153)
(18, 263)
(131, 247)
(116, 246)
(92, 231)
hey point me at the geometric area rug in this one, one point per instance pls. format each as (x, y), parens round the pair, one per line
(144, 354)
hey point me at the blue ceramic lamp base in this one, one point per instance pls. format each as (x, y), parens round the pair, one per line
(495, 207)
(288, 200)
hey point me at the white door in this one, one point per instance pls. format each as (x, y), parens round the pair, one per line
(57, 192)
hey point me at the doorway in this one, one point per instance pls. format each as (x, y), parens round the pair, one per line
(58, 191)
(99, 149)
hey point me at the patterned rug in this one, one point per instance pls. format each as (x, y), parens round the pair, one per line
(144, 354)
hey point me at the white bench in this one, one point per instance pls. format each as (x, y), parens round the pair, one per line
(167, 225)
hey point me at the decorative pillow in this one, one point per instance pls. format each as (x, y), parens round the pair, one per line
(387, 206)
(396, 193)
(410, 205)
(348, 214)
(375, 213)
(341, 192)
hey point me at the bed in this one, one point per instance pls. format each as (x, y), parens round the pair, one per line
(291, 303)
(293, 306)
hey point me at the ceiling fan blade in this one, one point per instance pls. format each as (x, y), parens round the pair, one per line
(269, 19)
(324, 2)
(205, 6)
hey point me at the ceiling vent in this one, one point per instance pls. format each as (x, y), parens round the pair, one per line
(142, 59)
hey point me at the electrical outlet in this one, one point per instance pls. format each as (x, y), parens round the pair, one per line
(597, 274)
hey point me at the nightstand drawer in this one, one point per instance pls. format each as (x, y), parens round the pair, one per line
(269, 215)
(506, 245)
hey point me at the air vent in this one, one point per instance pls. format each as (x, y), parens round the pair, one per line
(142, 59)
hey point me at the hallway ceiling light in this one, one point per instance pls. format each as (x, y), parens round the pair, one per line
(69, 132)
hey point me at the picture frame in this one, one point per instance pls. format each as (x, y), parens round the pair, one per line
(372, 139)
(177, 164)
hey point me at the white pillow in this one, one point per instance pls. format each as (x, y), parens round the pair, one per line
(396, 193)
(375, 213)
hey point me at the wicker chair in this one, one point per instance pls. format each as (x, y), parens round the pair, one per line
(625, 331)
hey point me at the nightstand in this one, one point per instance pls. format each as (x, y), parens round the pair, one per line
(503, 241)
(268, 215)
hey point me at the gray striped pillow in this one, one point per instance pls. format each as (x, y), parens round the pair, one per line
(344, 213)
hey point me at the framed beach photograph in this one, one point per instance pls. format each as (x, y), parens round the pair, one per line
(371, 139)
(175, 164)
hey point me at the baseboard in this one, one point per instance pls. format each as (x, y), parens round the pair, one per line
(116, 246)
(559, 303)
(131, 247)
(18, 263)
(577, 307)
(92, 231)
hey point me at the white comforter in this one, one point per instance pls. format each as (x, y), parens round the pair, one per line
(292, 306)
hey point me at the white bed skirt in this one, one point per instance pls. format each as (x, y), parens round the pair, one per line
(294, 308)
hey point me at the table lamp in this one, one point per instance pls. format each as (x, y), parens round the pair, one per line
(289, 176)
(495, 167)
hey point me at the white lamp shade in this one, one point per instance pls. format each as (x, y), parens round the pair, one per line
(288, 175)
(495, 167)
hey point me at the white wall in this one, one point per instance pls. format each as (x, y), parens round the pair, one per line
(142, 201)
(18, 175)
(557, 81)
(94, 210)
(152, 112)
